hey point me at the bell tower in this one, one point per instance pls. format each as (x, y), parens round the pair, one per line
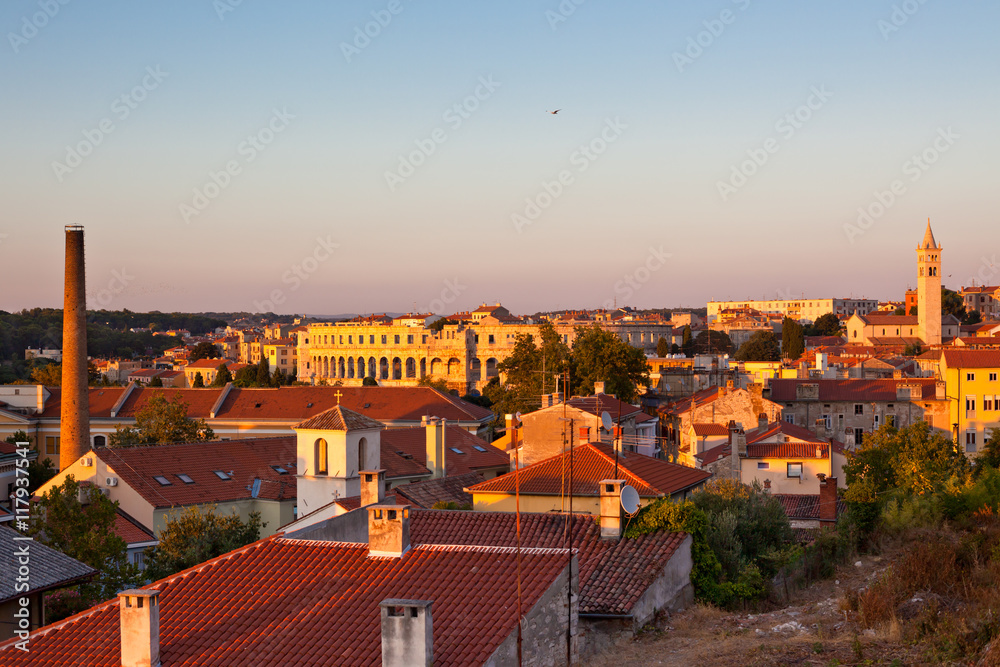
(929, 288)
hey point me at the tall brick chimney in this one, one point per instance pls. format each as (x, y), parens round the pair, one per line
(827, 499)
(74, 425)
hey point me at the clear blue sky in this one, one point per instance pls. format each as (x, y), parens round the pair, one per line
(443, 236)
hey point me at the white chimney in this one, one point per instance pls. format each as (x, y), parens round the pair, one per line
(611, 508)
(139, 612)
(388, 530)
(407, 633)
(436, 452)
(598, 388)
(584, 435)
(372, 487)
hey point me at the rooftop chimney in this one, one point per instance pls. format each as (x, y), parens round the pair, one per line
(762, 421)
(828, 499)
(611, 508)
(139, 613)
(388, 530)
(74, 429)
(407, 633)
(598, 388)
(584, 435)
(939, 390)
(436, 451)
(372, 487)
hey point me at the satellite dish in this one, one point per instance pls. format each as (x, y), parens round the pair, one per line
(517, 417)
(606, 422)
(630, 499)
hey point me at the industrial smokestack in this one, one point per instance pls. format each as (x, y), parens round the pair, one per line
(74, 429)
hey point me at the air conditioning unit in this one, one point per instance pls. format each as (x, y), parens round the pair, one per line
(104, 492)
(111, 481)
(88, 462)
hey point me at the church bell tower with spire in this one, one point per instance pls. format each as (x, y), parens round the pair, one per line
(929, 288)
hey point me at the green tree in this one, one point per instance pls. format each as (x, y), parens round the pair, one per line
(434, 383)
(85, 531)
(49, 375)
(792, 339)
(687, 341)
(972, 318)
(899, 311)
(528, 371)
(157, 382)
(989, 457)
(161, 421)
(369, 381)
(601, 355)
(222, 377)
(762, 346)
(263, 372)
(826, 325)
(41, 469)
(438, 325)
(192, 536)
(952, 303)
(199, 381)
(912, 350)
(710, 341)
(204, 350)
(246, 376)
(662, 347)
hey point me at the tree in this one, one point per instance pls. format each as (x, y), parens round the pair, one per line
(263, 372)
(825, 325)
(662, 347)
(85, 531)
(222, 377)
(710, 341)
(49, 375)
(599, 355)
(246, 377)
(792, 339)
(762, 346)
(528, 371)
(972, 318)
(158, 382)
(159, 422)
(989, 457)
(913, 310)
(687, 341)
(192, 536)
(199, 381)
(438, 325)
(41, 469)
(899, 311)
(434, 383)
(952, 303)
(912, 350)
(204, 350)
(369, 381)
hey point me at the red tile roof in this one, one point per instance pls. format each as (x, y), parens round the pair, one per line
(296, 602)
(199, 401)
(787, 450)
(853, 389)
(102, 399)
(592, 463)
(131, 530)
(782, 428)
(432, 491)
(413, 441)
(713, 454)
(600, 403)
(971, 358)
(339, 418)
(710, 429)
(613, 574)
(246, 459)
(889, 320)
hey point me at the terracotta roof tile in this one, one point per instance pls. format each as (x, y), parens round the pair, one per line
(710, 429)
(971, 358)
(131, 530)
(592, 463)
(853, 389)
(339, 418)
(102, 399)
(447, 489)
(295, 602)
(413, 442)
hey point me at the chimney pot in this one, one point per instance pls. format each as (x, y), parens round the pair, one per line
(139, 615)
(598, 388)
(372, 486)
(388, 530)
(407, 633)
(611, 508)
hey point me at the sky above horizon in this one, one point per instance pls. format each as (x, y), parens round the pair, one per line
(391, 155)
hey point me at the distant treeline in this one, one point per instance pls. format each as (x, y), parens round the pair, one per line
(108, 332)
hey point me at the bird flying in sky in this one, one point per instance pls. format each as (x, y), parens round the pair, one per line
(554, 112)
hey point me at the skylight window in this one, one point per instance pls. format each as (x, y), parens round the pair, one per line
(221, 475)
(456, 450)
(184, 478)
(479, 448)
(162, 480)
(279, 470)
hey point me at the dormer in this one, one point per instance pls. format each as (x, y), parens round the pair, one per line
(332, 449)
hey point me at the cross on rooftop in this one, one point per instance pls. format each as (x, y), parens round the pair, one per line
(338, 395)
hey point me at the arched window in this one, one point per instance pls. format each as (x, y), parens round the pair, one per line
(321, 463)
(362, 453)
(100, 441)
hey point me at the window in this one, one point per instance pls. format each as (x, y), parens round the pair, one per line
(138, 558)
(970, 376)
(222, 475)
(350, 340)
(859, 408)
(371, 339)
(409, 339)
(279, 470)
(396, 339)
(321, 463)
(859, 436)
(795, 470)
(763, 465)
(162, 480)
(993, 377)
(479, 448)
(988, 403)
(51, 444)
(185, 478)
(362, 453)
(383, 340)
(789, 419)
(970, 407)
(100, 441)
(423, 338)
(827, 421)
(970, 441)
(890, 420)
(840, 421)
